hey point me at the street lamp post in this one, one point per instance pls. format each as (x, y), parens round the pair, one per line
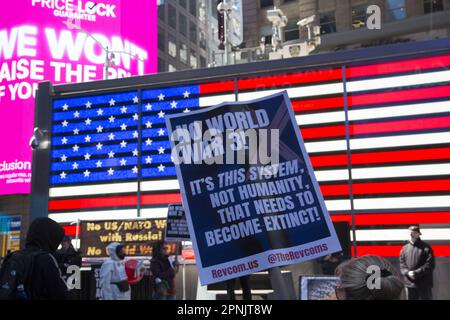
(225, 8)
(109, 55)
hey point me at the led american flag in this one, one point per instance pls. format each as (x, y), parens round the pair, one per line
(399, 140)
(98, 164)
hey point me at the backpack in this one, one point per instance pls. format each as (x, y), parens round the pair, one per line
(15, 274)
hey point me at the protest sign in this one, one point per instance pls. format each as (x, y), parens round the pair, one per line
(251, 199)
(177, 228)
(95, 269)
(318, 288)
(137, 236)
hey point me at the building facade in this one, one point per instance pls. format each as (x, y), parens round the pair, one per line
(343, 23)
(182, 37)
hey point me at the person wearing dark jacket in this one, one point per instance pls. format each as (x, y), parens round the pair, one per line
(163, 273)
(67, 256)
(45, 282)
(417, 265)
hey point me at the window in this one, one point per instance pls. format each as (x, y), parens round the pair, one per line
(266, 3)
(161, 42)
(359, 16)
(171, 68)
(327, 22)
(430, 6)
(193, 32)
(172, 46)
(193, 60)
(193, 7)
(172, 17)
(183, 53)
(213, 8)
(161, 65)
(202, 39)
(202, 62)
(202, 12)
(182, 24)
(183, 3)
(395, 10)
(291, 31)
(161, 12)
(266, 32)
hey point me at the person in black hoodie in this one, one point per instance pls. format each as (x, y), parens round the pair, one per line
(67, 256)
(45, 282)
(417, 265)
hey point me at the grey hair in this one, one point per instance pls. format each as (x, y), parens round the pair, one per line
(353, 275)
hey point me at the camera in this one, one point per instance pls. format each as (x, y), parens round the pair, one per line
(38, 140)
(306, 21)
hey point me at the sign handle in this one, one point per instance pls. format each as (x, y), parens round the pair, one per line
(176, 263)
(177, 248)
(281, 291)
(184, 280)
(77, 234)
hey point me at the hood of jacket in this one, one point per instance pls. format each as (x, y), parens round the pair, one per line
(112, 247)
(45, 234)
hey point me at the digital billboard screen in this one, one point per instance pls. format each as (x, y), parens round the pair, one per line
(386, 166)
(63, 41)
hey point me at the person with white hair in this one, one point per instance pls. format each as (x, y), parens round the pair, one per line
(368, 277)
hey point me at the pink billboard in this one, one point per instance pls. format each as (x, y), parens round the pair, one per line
(63, 41)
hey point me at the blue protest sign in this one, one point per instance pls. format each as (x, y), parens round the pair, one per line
(176, 226)
(251, 199)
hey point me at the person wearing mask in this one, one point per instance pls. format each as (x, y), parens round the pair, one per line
(163, 273)
(417, 265)
(113, 278)
(44, 279)
(368, 277)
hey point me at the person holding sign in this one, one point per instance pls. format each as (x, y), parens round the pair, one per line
(250, 196)
(163, 273)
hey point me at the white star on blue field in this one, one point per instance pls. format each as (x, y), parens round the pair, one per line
(96, 138)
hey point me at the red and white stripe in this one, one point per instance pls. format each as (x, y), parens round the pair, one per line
(399, 115)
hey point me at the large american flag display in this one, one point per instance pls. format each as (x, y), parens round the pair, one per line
(378, 136)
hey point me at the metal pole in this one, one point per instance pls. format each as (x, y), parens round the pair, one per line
(77, 237)
(177, 248)
(139, 164)
(349, 159)
(184, 280)
(105, 69)
(225, 31)
(278, 284)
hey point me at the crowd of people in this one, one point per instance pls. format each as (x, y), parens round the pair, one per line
(39, 271)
